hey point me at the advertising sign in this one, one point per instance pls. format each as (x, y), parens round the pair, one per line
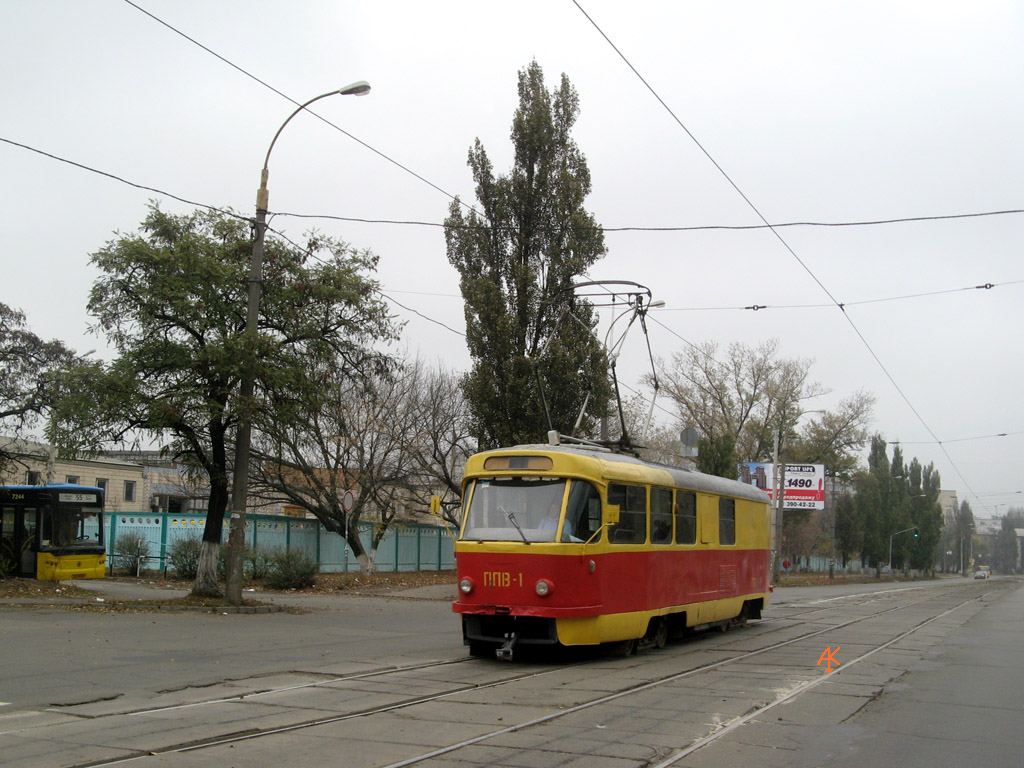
(805, 483)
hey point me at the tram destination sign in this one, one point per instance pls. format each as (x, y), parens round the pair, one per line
(805, 483)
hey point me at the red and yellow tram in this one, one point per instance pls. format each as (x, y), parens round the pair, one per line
(574, 545)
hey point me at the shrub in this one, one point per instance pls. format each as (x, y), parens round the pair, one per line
(183, 556)
(131, 552)
(257, 563)
(291, 570)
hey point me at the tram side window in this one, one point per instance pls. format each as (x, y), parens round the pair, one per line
(632, 525)
(686, 517)
(726, 521)
(661, 516)
(583, 515)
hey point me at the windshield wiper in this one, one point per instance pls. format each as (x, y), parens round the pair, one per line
(512, 519)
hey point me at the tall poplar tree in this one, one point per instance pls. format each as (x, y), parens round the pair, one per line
(517, 258)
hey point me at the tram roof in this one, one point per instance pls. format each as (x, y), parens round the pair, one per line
(684, 478)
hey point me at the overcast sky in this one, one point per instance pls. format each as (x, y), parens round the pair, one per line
(817, 112)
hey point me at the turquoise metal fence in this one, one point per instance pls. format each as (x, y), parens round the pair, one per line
(406, 547)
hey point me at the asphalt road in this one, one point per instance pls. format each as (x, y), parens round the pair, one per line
(927, 674)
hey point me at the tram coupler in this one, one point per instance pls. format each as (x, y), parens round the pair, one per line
(505, 652)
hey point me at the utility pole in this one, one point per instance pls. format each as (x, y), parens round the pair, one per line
(778, 486)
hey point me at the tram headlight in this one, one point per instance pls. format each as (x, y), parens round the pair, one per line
(544, 587)
(466, 586)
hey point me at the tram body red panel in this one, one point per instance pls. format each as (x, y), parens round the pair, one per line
(621, 582)
(509, 581)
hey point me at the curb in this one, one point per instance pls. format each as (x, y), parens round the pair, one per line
(138, 606)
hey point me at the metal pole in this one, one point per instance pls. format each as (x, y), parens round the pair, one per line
(240, 481)
(236, 535)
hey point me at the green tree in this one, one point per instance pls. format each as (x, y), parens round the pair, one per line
(963, 531)
(1006, 552)
(171, 301)
(875, 501)
(517, 259)
(849, 529)
(923, 487)
(716, 455)
(868, 509)
(35, 376)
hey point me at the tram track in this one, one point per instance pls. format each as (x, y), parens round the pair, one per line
(726, 728)
(788, 624)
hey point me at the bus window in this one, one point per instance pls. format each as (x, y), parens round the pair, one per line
(7, 548)
(28, 541)
(632, 525)
(661, 516)
(686, 517)
(726, 521)
(583, 514)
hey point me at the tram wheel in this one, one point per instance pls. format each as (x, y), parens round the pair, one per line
(622, 648)
(661, 632)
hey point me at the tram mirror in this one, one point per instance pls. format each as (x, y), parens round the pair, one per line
(611, 514)
(435, 505)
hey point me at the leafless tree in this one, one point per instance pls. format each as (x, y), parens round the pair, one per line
(392, 439)
(742, 401)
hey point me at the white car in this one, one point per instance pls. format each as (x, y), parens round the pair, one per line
(982, 573)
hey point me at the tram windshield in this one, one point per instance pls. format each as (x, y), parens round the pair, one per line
(514, 509)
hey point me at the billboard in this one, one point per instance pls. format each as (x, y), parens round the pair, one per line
(805, 483)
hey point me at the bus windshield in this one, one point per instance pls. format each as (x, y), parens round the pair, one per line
(520, 509)
(71, 527)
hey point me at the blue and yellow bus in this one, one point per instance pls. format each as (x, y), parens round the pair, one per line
(52, 532)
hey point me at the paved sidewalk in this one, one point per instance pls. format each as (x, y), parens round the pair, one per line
(127, 591)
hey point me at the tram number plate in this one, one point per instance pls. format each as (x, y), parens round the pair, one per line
(502, 579)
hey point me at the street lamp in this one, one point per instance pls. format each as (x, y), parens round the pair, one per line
(239, 487)
(911, 528)
(968, 530)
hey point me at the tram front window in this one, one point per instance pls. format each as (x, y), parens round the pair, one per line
(515, 509)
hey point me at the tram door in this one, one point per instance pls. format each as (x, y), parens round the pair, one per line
(17, 540)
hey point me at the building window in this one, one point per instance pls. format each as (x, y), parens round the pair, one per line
(101, 483)
(32, 477)
(129, 490)
(71, 479)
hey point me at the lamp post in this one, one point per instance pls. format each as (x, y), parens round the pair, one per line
(911, 528)
(239, 487)
(967, 531)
